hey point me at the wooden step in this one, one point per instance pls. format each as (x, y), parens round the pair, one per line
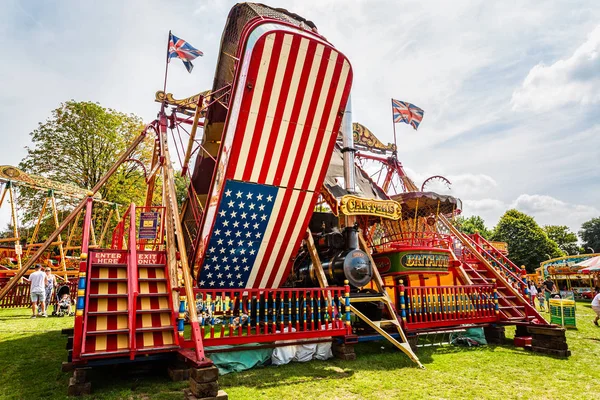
(108, 279)
(151, 265)
(107, 332)
(386, 322)
(96, 313)
(153, 294)
(106, 353)
(155, 328)
(153, 311)
(106, 296)
(157, 348)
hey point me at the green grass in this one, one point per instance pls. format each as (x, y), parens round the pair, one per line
(31, 352)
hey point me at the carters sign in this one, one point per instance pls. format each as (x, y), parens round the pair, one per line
(352, 205)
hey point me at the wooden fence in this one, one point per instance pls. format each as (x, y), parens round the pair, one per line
(19, 296)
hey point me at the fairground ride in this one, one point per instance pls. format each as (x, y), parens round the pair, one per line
(247, 253)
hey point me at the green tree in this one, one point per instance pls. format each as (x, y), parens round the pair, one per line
(590, 235)
(528, 244)
(471, 225)
(77, 145)
(564, 238)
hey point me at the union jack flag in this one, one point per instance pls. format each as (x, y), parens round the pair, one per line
(179, 48)
(406, 112)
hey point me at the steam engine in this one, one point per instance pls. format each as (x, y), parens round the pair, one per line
(341, 258)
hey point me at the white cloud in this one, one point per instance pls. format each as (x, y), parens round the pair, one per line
(573, 80)
(546, 210)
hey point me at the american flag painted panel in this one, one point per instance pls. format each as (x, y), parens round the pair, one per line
(286, 111)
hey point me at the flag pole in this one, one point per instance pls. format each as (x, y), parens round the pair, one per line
(394, 125)
(166, 68)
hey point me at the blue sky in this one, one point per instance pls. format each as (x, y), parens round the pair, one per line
(511, 93)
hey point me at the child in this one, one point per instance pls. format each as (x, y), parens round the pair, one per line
(65, 302)
(542, 301)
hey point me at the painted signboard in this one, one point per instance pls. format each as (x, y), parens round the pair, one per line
(148, 225)
(412, 261)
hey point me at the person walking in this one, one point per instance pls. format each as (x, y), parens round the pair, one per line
(596, 306)
(50, 285)
(37, 290)
(548, 289)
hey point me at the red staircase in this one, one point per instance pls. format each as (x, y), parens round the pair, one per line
(127, 316)
(128, 308)
(486, 265)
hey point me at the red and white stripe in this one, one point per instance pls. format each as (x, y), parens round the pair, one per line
(287, 118)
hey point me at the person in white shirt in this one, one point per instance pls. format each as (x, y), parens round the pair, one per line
(596, 306)
(37, 290)
(533, 292)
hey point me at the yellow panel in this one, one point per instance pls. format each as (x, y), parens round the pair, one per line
(163, 302)
(167, 337)
(100, 343)
(122, 322)
(414, 280)
(101, 323)
(160, 273)
(143, 273)
(102, 304)
(148, 339)
(103, 288)
(121, 273)
(144, 287)
(122, 288)
(165, 319)
(161, 287)
(145, 303)
(146, 320)
(121, 304)
(447, 280)
(122, 342)
(103, 273)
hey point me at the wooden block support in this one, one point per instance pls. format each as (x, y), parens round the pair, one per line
(78, 389)
(204, 375)
(494, 334)
(221, 395)
(343, 351)
(204, 390)
(179, 374)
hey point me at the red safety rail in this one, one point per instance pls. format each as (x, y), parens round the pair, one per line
(497, 254)
(121, 233)
(415, 239)
(80, 322)
(511, 273)
(19, 296)
(441, 306)
(240, 316)
(132, 280)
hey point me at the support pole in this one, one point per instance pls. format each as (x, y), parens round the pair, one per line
(61, 249)
(54, 235)
(190, 146)
(13, 210)
(348, 152)
(169, 182)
